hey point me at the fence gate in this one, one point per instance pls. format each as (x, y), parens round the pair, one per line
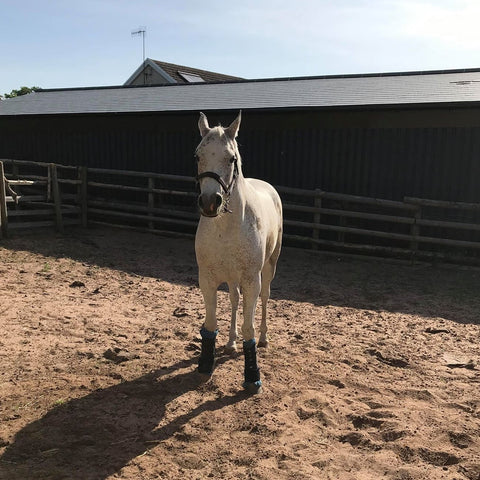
(31, 196)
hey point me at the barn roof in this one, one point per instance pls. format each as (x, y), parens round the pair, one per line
(451, 87)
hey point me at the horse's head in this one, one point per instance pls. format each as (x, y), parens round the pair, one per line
(218, 165)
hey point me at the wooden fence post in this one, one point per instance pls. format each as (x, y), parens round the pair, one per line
(317, 217)
(415, 232)
(3, 204)
(151, 200)
(56, 197)
(83, 195)
(15, 176)
(342, 222)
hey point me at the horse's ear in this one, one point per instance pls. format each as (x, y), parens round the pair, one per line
(203, 124)
(232, 130)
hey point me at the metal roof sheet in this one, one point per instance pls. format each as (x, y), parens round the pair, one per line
(321, 92)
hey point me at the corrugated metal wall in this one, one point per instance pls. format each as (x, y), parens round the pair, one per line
(437, 163)
(371, 154)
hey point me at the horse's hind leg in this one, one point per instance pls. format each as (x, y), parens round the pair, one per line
(268, 273)
(234, 300)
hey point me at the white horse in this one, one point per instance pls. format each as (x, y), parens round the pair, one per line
(238, 241)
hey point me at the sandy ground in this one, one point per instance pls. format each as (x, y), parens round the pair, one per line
(373, 370)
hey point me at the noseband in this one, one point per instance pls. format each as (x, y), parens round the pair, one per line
(227, 189)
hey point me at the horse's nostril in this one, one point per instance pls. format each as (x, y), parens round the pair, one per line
(209, 204)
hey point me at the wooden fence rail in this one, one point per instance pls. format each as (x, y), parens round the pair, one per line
(412, 228)
(39, 201)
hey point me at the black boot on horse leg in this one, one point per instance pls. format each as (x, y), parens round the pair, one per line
(252, 383)
(206, 362)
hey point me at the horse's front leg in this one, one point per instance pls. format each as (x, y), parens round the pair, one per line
(268, 272)
(251, 291)
(234, 299)
(209, 329)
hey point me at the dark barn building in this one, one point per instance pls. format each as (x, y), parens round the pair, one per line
(387, 136)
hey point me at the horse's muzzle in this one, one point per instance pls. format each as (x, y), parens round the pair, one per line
(210, 205)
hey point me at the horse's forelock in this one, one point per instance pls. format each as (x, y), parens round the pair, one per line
(218, 133)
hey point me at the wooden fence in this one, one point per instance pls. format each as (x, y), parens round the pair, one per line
(33, 198)
(412, 228)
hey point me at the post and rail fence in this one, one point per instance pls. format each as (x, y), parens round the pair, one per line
(53, 195)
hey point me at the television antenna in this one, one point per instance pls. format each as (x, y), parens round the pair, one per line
(135, 33)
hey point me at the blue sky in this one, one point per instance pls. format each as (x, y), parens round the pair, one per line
(88, 42)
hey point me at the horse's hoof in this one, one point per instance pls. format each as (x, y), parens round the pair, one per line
(230, 349)
(206, 368)
(204, 377)
(253, 388)
(263, 343)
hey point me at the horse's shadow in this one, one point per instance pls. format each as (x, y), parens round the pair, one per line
(95, 436)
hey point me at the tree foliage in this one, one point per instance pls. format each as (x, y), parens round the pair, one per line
(21, 91)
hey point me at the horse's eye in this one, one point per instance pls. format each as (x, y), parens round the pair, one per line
(196, 158)
(233, 159)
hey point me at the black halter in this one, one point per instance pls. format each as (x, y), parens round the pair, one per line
(227, 189)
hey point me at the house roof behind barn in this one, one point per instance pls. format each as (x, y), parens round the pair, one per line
(453, 87)
(173, 73)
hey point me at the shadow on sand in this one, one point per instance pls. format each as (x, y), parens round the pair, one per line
(95, 436)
